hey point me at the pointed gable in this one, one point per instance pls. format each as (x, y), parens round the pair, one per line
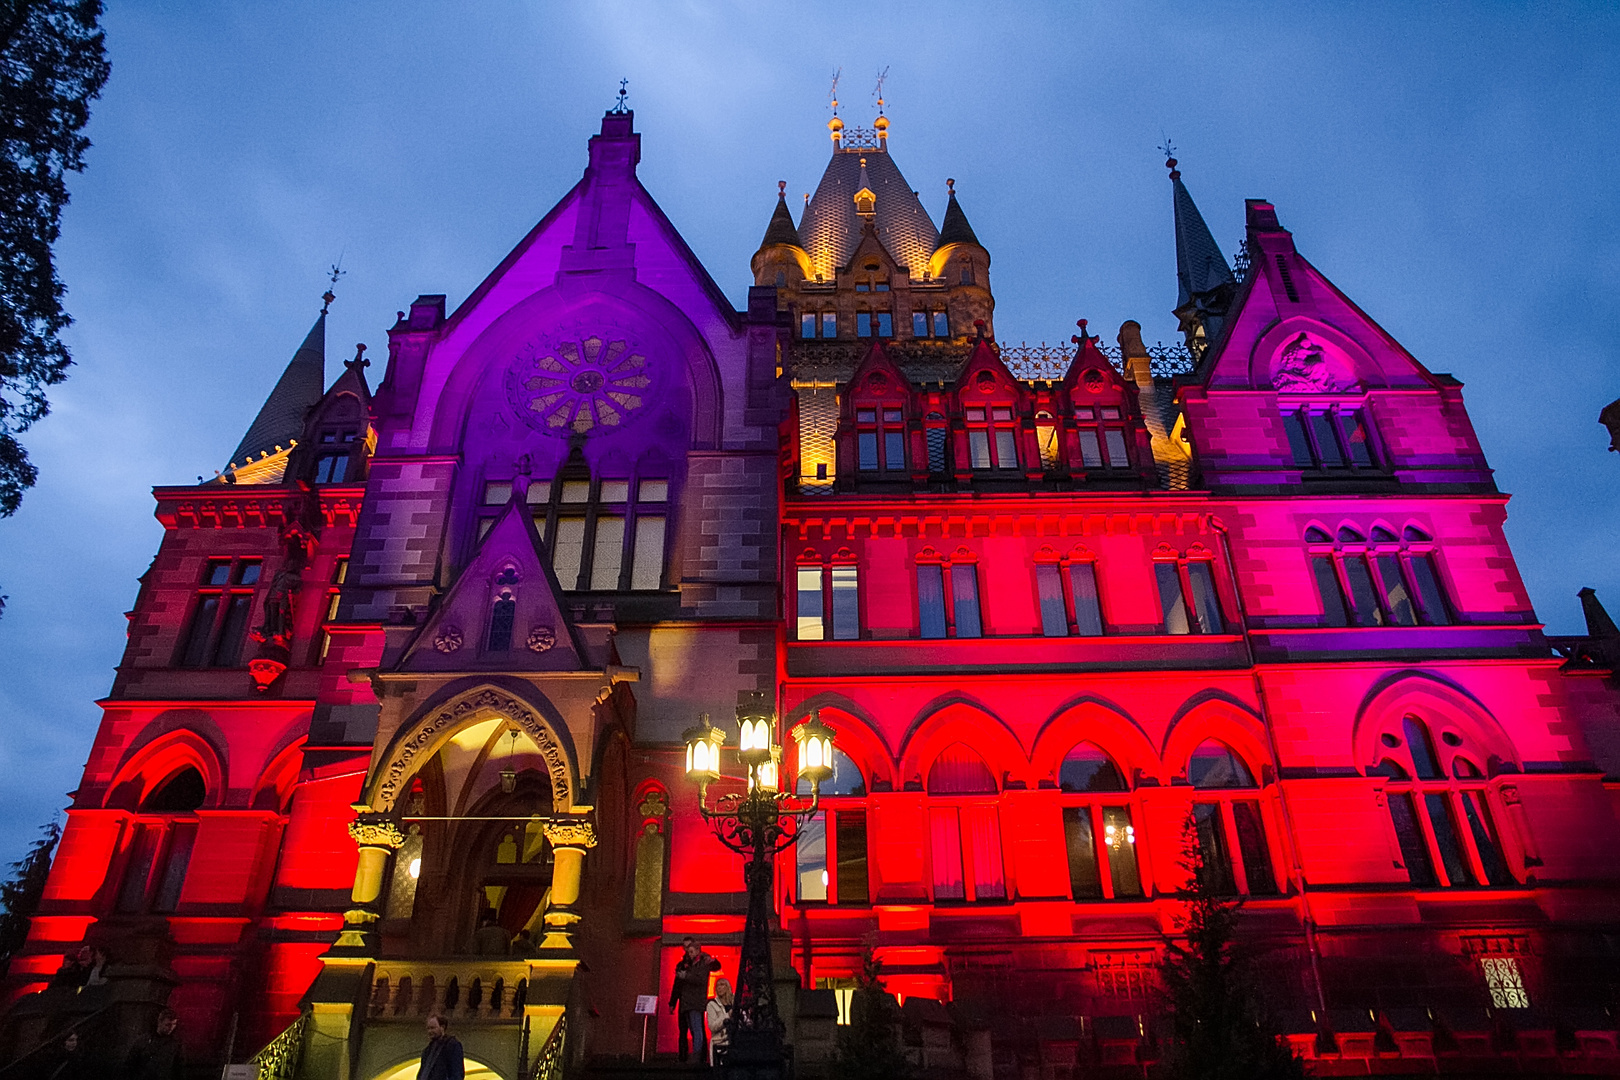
(878, 378)
(1292, 330)
(985, 377)
(505, 610)
(335, 442)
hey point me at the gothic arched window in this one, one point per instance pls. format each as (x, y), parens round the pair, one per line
(652, 844)
(1097, 827)
(1441, 815)
(160, 844)
(1231, 827)
(502, 612)
(964, 832)
(830, 858)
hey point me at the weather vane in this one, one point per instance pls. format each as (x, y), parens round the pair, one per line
(1167, 148)
(832, 95)
(624, 92)
(878, 93)
(328, 296)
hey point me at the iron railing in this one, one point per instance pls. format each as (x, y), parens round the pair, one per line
(280, 1059)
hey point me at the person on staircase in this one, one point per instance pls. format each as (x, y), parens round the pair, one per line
(719, 1011)
(689, 998)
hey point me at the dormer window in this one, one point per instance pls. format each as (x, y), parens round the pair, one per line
(332, 459)
(1102, 437)
(880, 439)
(992, 442)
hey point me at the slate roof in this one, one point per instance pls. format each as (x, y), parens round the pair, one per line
(831, 230)
(1200, 266)
(781, 230)
(955, 228)
(281, 419)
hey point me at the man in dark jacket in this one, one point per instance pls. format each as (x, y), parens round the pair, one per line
(689, 997)
(441, 1059)
(159, 1057)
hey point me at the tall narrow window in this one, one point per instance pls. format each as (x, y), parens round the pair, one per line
(810, 609)
(1231, 829)
(885, 324)
(845, 604)
(965, 599)
(501, 616)
(810, 859)
(863, 324)
(850, 835)
(1206, 602)
(942, 327)
(1172, 605)
(568, 551)
(1335, 612)
(919, 324)
(807, 324)
(931, 600)
(829, 324)
(1085, 875)
(936, 436)
(1087, 608)
(983, 828)
(177, 860)
(609, 549)
(1049, 590)
(945, 837)
(1381, 581)
(647, 570)
(1099, 832)
(220, 619)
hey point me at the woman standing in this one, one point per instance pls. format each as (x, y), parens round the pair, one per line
(718, 1012)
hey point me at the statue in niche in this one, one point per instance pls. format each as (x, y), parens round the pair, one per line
(1303, 366)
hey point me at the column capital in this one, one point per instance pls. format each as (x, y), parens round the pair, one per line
(577, 833)
(376, 830)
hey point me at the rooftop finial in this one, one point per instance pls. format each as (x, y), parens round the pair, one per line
(328, 296)
(621, 106)
(781, 190)
(835, 125)
(878, 93)
(1168, 149)
(950, 186)
(359, 360)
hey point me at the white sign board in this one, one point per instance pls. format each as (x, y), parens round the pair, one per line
(646, 1004)
(241, 1072)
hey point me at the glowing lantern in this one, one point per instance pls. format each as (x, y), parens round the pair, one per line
(703, 751)
(815, 750)
(766, 777)
(757, 737)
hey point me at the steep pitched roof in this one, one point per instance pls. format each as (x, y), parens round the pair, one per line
(831, 229)
(781, 230)
(955, 228)
(1200, 267)
(281, 418)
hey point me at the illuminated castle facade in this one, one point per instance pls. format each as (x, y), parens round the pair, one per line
(426, 651)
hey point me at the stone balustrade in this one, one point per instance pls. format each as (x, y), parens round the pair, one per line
(469, 989)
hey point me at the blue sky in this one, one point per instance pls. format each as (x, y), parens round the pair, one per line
(1451, 167)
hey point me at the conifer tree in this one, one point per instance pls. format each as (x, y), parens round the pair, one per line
(869, 1046)
(20, 895)
(53, 63)
(1222, 1030)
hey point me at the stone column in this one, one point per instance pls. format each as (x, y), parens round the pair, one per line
(377, 836)
(569, 841)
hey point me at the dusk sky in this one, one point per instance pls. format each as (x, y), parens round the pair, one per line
(1452, 168)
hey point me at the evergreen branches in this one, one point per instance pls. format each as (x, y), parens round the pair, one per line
(53, 63)
(869, 1046)
(20, 895)
(1220, 1023)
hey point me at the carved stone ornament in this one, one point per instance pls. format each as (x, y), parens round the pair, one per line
(541, 639)
(1303, 366)
(582, 380)
(1094, 381)
(401, 765)
(448, 640)
(571, 834)
(369, 831)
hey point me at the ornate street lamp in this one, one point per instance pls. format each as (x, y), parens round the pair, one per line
(757, 825)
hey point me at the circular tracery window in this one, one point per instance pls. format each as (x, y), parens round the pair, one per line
(584, 383)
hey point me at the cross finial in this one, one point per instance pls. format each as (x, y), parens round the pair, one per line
(621, 106)
(328, 296)
(359, 360)
(882, 77)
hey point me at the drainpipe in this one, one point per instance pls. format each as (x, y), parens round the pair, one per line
(1276, 756)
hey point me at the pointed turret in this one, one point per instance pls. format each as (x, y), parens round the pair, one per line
(1204, 280)
(955, 229)
(281, 419)
(781, 229)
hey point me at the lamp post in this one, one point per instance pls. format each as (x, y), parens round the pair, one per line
(757, 824)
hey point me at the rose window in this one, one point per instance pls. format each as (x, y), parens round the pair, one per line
(578, 384)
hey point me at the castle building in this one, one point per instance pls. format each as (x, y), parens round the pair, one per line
(408, 680)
